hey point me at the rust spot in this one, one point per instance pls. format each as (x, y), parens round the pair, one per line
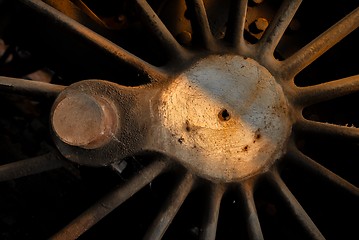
(245, 148)
(181, 140)
(258, 134)
(188, 128)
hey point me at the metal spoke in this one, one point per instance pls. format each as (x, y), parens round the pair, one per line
(297, 157)
(88, 12)
(295, 207)
(328, 130)
(29, 87)
(173, 48)
(277, 27)
(203, 24)
(110, 202)
(327, 91)
(253, 224)
(75, 9)
(31, 166)
(112, 50)
(239, 23)
(313, 50)
(170, 208)
(212, 213)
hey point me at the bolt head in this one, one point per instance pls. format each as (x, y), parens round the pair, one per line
(261, 24)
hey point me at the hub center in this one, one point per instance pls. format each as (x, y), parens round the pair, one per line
(226, 118)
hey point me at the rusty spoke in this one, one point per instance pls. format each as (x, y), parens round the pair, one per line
(109, 48)
(253, 224)
(327, 91)
(154, 23)
(313, 50)
(110, 202)
(328, 130)
(170, 208)
(277, 27)
(298, 158)
(212, 213)
(29, 87)
(80, 4)
(295, 207)
(31, 166)
(239, 20)
(203, 24)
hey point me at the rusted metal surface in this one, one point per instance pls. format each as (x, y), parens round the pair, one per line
(224, 115)
(248, 142)
(84, 121)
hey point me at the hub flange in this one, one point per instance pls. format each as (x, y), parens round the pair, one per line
(226, 118)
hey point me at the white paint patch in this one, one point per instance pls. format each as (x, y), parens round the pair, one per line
(193, 131)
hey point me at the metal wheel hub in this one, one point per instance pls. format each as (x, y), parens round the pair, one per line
(225, 117)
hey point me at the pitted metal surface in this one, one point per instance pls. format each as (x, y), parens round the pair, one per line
(225, 117)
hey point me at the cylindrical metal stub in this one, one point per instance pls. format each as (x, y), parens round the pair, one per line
(84, 121)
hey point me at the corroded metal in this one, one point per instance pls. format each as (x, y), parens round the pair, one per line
(221, 116)
(84, 121)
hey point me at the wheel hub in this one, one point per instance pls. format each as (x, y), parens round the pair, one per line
(226, 118)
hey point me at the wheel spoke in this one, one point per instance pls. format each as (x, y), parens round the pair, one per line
(212, 213)
(88, 12)
(150, 18)
(277, 27)
(170, 208)
(253, 224)
(295, 207)
(297, 157)
(117, 53)
(203, 24)
(76, 10)
(30, 166)
(328, 130)
(327, 91)
(29, 87)
(239, 20)
(293, 65)
(110, 202)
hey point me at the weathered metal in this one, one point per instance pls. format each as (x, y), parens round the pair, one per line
(224, 115)
(84, 121)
